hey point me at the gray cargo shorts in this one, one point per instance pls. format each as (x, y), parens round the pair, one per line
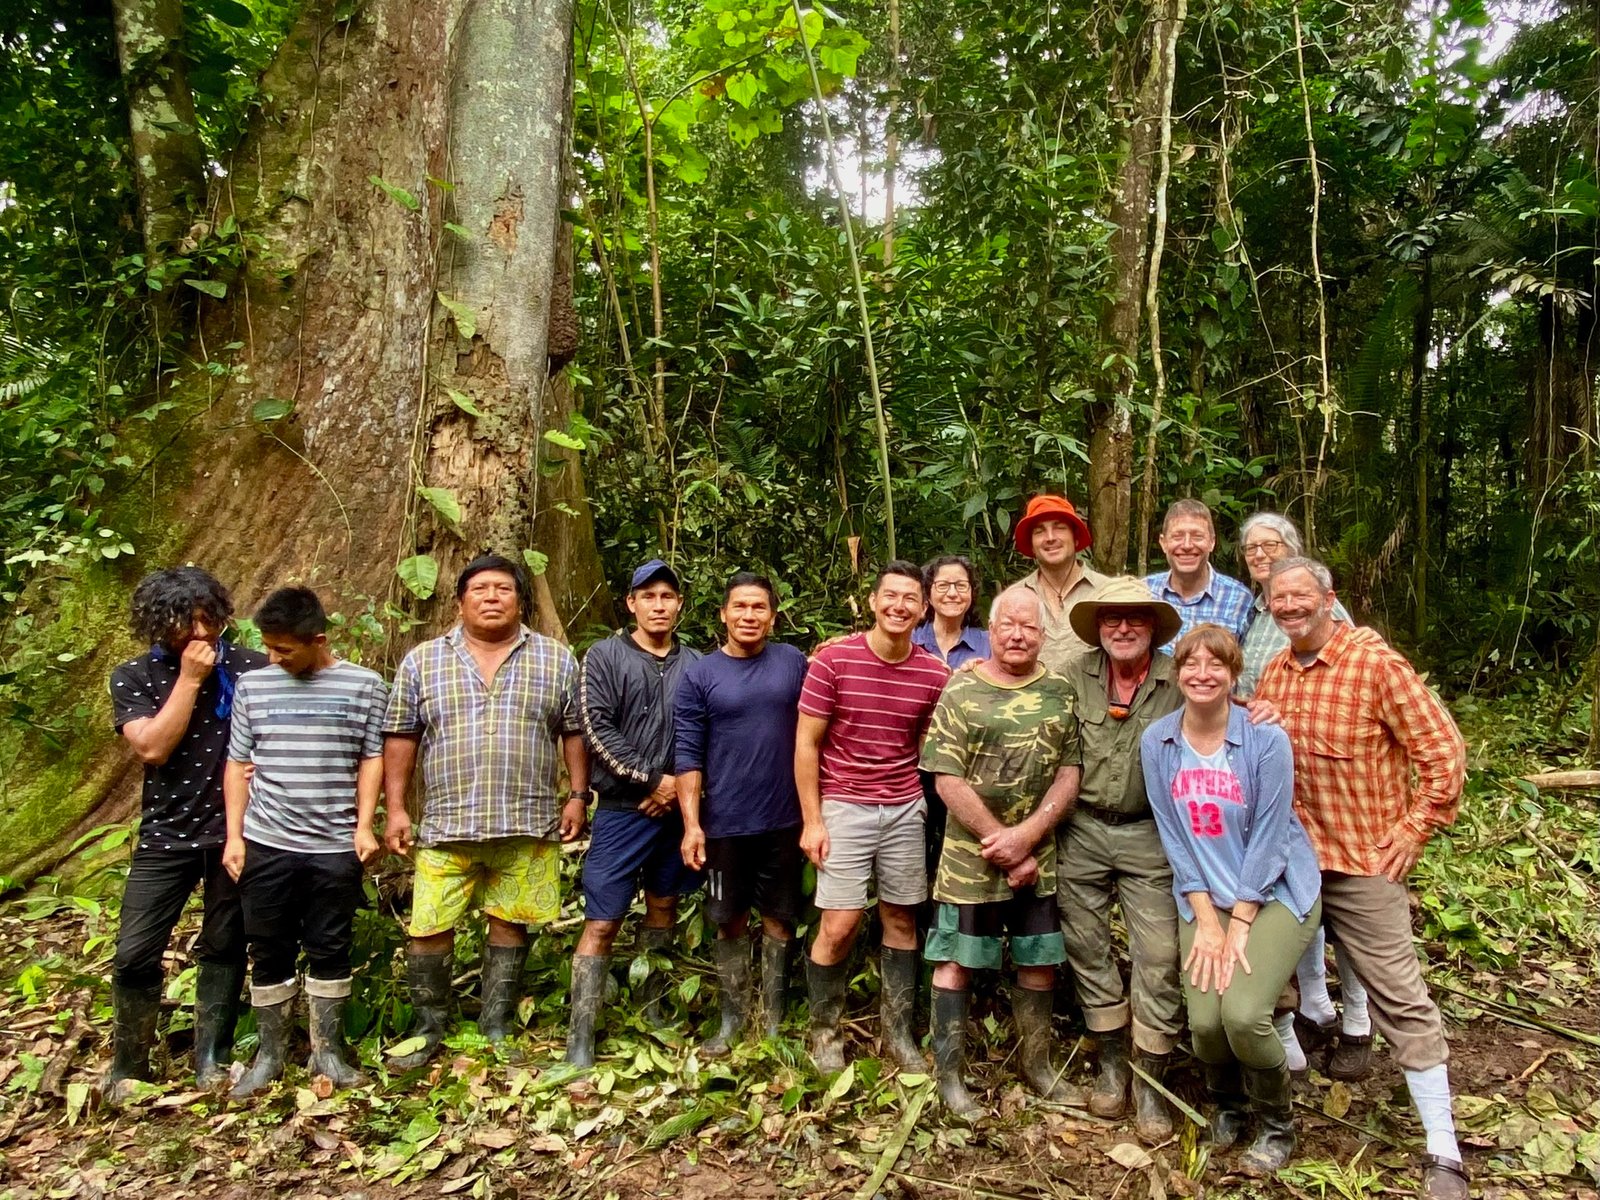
(867, 840)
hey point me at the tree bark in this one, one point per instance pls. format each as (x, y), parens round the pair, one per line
(337, 317)
(1421, 450)
(1110, 415)
(168, 159)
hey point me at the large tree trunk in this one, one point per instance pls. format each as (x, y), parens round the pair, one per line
(338, 323)
(168, 159)
(1111, 415)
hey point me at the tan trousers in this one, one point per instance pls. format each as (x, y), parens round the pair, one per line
(1370, 917)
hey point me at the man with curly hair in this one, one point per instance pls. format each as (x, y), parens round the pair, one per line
(173, 705)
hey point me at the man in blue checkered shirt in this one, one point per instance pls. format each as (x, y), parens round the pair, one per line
(1191, 584)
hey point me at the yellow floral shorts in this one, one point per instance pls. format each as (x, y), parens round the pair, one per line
(516, 879)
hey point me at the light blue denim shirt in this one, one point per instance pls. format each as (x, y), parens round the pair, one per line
(1279, 863)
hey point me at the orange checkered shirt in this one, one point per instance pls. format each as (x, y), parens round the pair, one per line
(1372, 747)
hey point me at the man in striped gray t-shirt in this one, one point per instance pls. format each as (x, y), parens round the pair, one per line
(300, 827)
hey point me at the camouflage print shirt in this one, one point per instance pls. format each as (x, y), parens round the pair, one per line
(1007, 743)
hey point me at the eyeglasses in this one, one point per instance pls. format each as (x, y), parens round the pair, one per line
(1269, 548)
(1134, 620)
(947, 588)
(1186, 539)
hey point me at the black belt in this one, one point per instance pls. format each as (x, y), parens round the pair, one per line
(1110, 816)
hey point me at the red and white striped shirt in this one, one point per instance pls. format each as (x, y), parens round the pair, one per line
(877, 714)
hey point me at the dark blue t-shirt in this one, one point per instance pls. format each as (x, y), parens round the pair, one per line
(735, 720)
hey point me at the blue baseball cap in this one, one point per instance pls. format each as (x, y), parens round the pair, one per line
(650, 572)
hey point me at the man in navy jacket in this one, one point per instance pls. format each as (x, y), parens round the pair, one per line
(625, 698)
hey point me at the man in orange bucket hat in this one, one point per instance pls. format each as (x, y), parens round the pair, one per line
(1052, 533)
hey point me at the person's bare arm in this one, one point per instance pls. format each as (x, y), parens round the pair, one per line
(689, 785)
(153, 739)
(369, 782)
(1058, 802)
(575, 814)
(967, 806)
(399, 764)
(808, 781)
(235, 799)
(1006, 846)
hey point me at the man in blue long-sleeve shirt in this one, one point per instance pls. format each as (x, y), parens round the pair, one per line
(735, 717)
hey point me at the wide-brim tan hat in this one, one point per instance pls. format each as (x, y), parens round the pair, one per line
(1124, 592)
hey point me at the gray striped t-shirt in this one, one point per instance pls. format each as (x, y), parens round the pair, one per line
(306, 737)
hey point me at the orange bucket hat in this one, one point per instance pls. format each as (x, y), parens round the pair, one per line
(1050, 508)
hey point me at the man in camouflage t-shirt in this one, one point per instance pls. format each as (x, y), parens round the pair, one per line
(1005, 750)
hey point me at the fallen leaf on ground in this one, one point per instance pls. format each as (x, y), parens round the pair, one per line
(1126, 1154)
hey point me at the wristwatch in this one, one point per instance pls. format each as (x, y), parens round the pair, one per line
(586, 795)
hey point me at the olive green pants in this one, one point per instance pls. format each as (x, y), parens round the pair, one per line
(1097, 864)
(1238, 1022)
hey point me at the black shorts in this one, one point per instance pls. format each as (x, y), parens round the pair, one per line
(759, 871)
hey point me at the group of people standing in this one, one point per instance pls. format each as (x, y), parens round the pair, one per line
(1238, 770)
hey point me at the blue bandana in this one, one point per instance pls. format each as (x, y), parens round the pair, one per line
(225, 682)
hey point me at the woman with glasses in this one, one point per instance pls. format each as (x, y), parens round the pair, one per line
(953, 630)
(1264, 539)
(1246, 882)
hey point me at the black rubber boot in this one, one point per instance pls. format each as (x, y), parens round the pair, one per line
(897, 1006)
(274, 1009)
(1152, 1115)
(774, 983)
(217, 989)
(501, 989)
(1273, 1101)
(1032, 1013)
(733, 985)
(589, 973)
(950, 1052)
(654, 942)
(827, 986)
(327, 1032)
(1222, 1081)
(133, 1036)
(428, 979)
(1109, 1097)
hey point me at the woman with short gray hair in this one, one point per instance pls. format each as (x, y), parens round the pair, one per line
(1265, 538)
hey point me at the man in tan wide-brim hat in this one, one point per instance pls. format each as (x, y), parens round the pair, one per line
(1109, 850)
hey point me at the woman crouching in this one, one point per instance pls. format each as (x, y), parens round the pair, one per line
(1246, 882)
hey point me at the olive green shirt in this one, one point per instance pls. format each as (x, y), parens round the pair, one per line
(1061, 644)
(1007, 742)
(1113, 777)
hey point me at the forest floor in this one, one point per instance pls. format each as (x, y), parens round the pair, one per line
(1511, 933)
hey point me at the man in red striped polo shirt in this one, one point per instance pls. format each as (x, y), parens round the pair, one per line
(866, 706)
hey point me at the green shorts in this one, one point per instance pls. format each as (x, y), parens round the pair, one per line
(975, 935)
(515, 879)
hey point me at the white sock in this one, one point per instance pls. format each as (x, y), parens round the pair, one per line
(1283, 1023)
(1354, 995)
(1430, 1092)
(1312, 972)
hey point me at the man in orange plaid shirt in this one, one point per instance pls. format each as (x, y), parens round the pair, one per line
(1378, 768)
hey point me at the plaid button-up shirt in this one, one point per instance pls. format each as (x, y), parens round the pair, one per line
(1263, 640)
(1372, 747)
(1224, 601)
(489, 755)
